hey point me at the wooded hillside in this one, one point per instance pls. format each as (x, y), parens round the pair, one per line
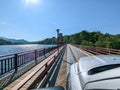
(89, 38)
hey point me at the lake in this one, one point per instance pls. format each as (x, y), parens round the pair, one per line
(9, 49)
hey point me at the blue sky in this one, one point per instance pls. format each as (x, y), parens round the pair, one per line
(38, 20)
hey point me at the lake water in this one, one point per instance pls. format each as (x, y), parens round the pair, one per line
(9, 49)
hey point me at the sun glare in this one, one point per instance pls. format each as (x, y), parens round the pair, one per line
(31, 2)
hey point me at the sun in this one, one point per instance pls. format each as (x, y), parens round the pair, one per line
(31, 2)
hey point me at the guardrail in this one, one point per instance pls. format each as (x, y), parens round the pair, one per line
(99, 50)
(50, 79)
(14, 61)
(44, 68)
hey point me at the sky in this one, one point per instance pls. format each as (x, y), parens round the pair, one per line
(35, 20)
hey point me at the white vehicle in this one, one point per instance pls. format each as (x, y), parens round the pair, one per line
(95, 73)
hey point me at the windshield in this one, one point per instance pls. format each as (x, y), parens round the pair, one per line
(102, 68)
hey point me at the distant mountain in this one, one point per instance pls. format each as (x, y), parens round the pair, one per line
(20, 41)
(15, 41)
(4, 42)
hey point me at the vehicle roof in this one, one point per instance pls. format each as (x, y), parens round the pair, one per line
(112, 75)
(87, 63)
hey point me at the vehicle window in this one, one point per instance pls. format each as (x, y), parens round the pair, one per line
(102, 68)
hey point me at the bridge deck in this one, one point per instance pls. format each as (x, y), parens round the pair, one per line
(71, 53)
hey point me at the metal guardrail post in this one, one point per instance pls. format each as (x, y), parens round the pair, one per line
(15, 62)
(46, 65)
(54, 57)
(36, 56)
(1, 67)
(49, 49)
(44, 51)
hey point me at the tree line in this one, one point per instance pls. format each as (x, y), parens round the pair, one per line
(84, 37)
(4, 42)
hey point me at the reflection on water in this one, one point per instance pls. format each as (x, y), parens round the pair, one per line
(8, 49)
